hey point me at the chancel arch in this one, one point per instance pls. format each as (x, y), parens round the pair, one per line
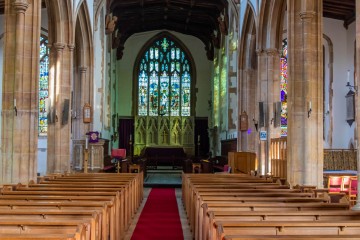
(164, 79)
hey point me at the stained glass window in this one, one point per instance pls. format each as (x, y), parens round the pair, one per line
(43, 85)
(283, 88)
(164, 80)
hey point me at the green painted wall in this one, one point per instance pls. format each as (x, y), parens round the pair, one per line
(125, 70)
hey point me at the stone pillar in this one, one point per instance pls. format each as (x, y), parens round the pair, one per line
(268, 92)
(305, 96)
(20, 84)
(357, 104)
(59, 96)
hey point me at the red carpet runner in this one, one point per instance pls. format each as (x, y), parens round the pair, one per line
(160, 218)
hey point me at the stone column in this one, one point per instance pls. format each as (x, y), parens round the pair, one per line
(268, 92)
(357, 104)
(262, 96)
(20, 84)
(305, 97)
(59, 95)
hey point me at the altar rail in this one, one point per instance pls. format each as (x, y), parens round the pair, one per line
(334, 159)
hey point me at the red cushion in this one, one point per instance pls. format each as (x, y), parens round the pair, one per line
(118, 153)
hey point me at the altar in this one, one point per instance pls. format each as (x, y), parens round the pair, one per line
(164, 156)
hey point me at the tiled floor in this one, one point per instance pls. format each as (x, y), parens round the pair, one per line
(163, 176)
(183, 218)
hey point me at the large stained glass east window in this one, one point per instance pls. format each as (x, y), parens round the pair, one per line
(283, 87)
(164, 80)
(43, 85)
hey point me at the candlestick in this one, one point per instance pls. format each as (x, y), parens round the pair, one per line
(86, 142)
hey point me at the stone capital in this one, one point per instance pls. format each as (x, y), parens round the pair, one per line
(71, 47)
(272, 51)
(59, 46)
(307, 15)
(20, 6)
(259, 51)
(83, 69)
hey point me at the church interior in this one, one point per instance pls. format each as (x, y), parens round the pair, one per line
(179, 119)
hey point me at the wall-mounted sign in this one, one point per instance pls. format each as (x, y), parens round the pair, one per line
(263, 135)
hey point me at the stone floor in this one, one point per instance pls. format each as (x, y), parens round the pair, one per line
(163, 176)
(183, 218)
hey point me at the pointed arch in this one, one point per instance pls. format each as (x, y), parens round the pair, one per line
(60, 20)
(271, 20)
(247, 97)
(83, 62)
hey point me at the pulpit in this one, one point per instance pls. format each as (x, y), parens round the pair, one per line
(97, 152)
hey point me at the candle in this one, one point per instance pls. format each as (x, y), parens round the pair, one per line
(309, 105)
(86, 142)
(130, 137)
(348, 77)
(327, 108)
(199, 138)
(14, 102)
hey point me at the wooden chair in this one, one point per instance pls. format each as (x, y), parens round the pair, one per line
(353, 187)
(345, 184)
(334, 184)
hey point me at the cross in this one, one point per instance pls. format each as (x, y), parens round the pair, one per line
(164, 135)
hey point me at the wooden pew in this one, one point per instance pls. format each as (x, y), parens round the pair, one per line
(122, 216)
(106, 222)
(252, 198)
(292, 237)
(75, 236)
(115, 217)
(88, 215)
(235, 207)
(43, 227)
(338, 215)
(120, 196)
(135, 191)
(276, 228)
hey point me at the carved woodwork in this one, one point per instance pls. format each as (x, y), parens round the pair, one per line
(97, 152)
(162, 131)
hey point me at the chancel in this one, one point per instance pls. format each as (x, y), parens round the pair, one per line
(164, 119)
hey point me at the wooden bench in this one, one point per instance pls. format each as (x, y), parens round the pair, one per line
(116, 214)
(75, 236)
(197, 213)
(42, 227)
(276, 228)
(209, 231)
(122, 216)
(291, 237)
(83, 188)
(107, 222)
(225, 190)
(91, 216)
